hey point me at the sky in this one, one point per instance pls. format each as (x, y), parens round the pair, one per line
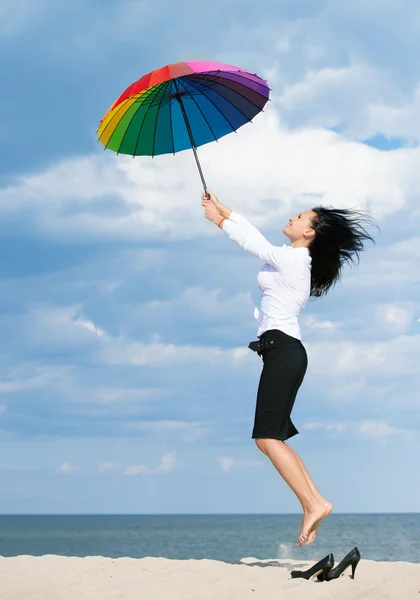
(126, 384)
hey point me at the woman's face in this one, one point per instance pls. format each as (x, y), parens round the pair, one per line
(300, 227)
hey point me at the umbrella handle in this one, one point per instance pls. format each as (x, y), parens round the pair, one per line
(200, 170)
(190, 135)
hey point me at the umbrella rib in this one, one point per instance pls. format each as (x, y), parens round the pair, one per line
(217, 108)
(242, 96)
(172, 128)
(128, 126)
(120, 107)
(202, 114)
(219, 78)
(157, 117)
(142, 124)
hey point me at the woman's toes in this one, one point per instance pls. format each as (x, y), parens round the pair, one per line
(311, 538)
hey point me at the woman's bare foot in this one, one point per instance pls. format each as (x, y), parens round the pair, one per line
(314, 531)
(310, 518)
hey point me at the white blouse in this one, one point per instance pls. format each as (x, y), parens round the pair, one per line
(285, 278)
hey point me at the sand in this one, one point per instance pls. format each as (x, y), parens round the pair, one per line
(52, 577)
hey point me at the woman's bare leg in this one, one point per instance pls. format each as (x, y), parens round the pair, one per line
(318, 496)
(287, 464)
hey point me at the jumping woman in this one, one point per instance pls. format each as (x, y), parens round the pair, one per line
(321, 241)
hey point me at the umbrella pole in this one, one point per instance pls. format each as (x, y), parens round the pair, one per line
(190, 134)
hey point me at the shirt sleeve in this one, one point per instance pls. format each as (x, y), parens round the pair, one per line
(251, 240)
(246, 225)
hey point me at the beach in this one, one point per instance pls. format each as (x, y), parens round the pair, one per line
(52, 577)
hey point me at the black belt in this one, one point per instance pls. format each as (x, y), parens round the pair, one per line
(270, 338)
(260, 345)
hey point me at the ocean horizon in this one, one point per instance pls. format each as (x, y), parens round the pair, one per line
(226, 537)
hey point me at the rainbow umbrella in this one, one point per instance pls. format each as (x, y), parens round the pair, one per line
(183, 105)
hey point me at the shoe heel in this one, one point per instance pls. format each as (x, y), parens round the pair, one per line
(353, 568)
(320, 569)
(322, 576)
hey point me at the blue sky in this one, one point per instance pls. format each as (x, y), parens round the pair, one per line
(126, 385)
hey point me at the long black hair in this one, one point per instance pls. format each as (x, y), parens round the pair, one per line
(340, 235)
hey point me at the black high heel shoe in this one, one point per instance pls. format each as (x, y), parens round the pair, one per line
(352, 559)
(321, 569)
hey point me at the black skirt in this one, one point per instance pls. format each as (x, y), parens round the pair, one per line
(285, 363)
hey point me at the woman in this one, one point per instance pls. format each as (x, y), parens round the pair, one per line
(321, 241)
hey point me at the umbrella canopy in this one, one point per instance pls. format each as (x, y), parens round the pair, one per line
(181, 106)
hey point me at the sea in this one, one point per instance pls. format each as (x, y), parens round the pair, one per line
(229, 538)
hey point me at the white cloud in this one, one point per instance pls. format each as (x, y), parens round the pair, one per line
(109, 396)
(356, 388)
(359, 99)
(66, 384)
(203, 301)
(66, 468)
(229, 464)
(185, 431)
(373, 359)
(106, 466)
(388, 358)
(316, 166)
(89, 325)
(336, 74)
(136, 470)
(369, 428)
(399, 120)
(226, 463)
(312, 323)
(167, 464)
(338, 427)
(390, 268)
(60, 324)
(29, 377)
(240, 354)
(380, 429)
(57, 327)
(327, 97)
(83, 400)
(154, 353)
(397, 317)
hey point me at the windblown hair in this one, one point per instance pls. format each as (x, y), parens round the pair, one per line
(340, 235)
